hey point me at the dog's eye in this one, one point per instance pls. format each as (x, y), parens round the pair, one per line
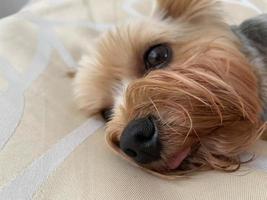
(157, 57)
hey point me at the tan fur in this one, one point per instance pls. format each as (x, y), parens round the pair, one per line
(207, 98)
(189, 10)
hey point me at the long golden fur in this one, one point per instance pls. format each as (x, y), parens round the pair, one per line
(208, 98)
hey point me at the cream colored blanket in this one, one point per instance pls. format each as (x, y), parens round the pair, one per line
(49, 150)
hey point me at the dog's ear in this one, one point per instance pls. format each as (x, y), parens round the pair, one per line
(190, 10)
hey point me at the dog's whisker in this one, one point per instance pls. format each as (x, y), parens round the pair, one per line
(164, 122)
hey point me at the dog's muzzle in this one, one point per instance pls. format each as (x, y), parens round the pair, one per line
(140, 140)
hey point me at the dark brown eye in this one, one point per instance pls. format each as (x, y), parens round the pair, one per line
(107, 114)
(157, 57)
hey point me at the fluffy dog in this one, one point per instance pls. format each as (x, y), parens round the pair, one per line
(182, 90)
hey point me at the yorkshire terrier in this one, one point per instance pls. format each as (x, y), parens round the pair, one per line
(181, 90)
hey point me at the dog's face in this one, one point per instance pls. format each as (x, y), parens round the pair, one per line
(182, 95)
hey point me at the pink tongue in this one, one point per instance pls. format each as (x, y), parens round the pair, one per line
(176, 160)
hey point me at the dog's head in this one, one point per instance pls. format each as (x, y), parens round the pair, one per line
(183, 96)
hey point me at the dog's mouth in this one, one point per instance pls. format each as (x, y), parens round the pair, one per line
(175, 161)
(172, 164)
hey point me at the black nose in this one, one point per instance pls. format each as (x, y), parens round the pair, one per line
(140, 140)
